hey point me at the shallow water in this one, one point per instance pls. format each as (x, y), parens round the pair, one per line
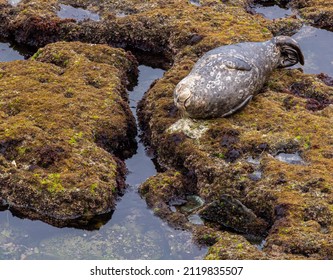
(294, 158)
(132, 233)
(316, 44)
(195, 3)
(193, 202)
(78, 14)
(8, 53)
(272, 12)
(121, 14)
(255, 161)
(14, 2)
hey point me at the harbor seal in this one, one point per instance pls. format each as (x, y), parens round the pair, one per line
(225, 79)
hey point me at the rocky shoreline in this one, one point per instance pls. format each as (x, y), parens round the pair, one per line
(233, 164)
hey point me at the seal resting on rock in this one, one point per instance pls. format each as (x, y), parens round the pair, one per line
(226, 78)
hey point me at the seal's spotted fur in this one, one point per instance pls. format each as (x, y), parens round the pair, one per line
(225, 79)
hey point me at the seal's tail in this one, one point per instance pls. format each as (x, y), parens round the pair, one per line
(290, 51)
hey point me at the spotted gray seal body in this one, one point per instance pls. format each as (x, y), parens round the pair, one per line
(226, 78)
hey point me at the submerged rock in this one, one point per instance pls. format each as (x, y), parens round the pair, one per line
(231, 213)
(193, 202)
(119, 243)
(64, 119)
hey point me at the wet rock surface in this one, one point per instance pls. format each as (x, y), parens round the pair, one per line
(64, 119)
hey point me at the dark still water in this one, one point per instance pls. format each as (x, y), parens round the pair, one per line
(133, 232)
(8, 53)
(78, 14)
(316, 44)
(272, 12)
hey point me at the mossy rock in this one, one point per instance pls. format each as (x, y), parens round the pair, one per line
(160, 190)
(280, 119)
(292, 114)
(65, 120)
(160, 27)
(318, 12)
(230, 213)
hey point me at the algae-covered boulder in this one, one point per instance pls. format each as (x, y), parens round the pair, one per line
(159, 27)
(163, 191)
(292, 116)
(318, 12)
(273, 157)
(234, 247)
(65, 121)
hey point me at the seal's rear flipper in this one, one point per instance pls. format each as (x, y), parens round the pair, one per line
(291, 52)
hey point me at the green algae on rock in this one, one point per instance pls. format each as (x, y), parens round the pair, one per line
(281, 119)
(292, 114)
(65, 121)
(159, 27)
(318, 12)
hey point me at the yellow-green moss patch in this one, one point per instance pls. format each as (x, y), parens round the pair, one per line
(57, 160)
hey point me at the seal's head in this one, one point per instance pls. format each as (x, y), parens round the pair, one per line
(290, 51)
(183, 93)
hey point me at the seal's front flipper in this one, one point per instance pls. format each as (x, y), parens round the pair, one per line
(237, 64)
(240, 106)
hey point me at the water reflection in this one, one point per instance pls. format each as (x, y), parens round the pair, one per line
(78, 14)
(8, 53)
(195, 3)
(315, 43)
(294, 158)
(272, 12)
(14, 2)
(316, 46)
